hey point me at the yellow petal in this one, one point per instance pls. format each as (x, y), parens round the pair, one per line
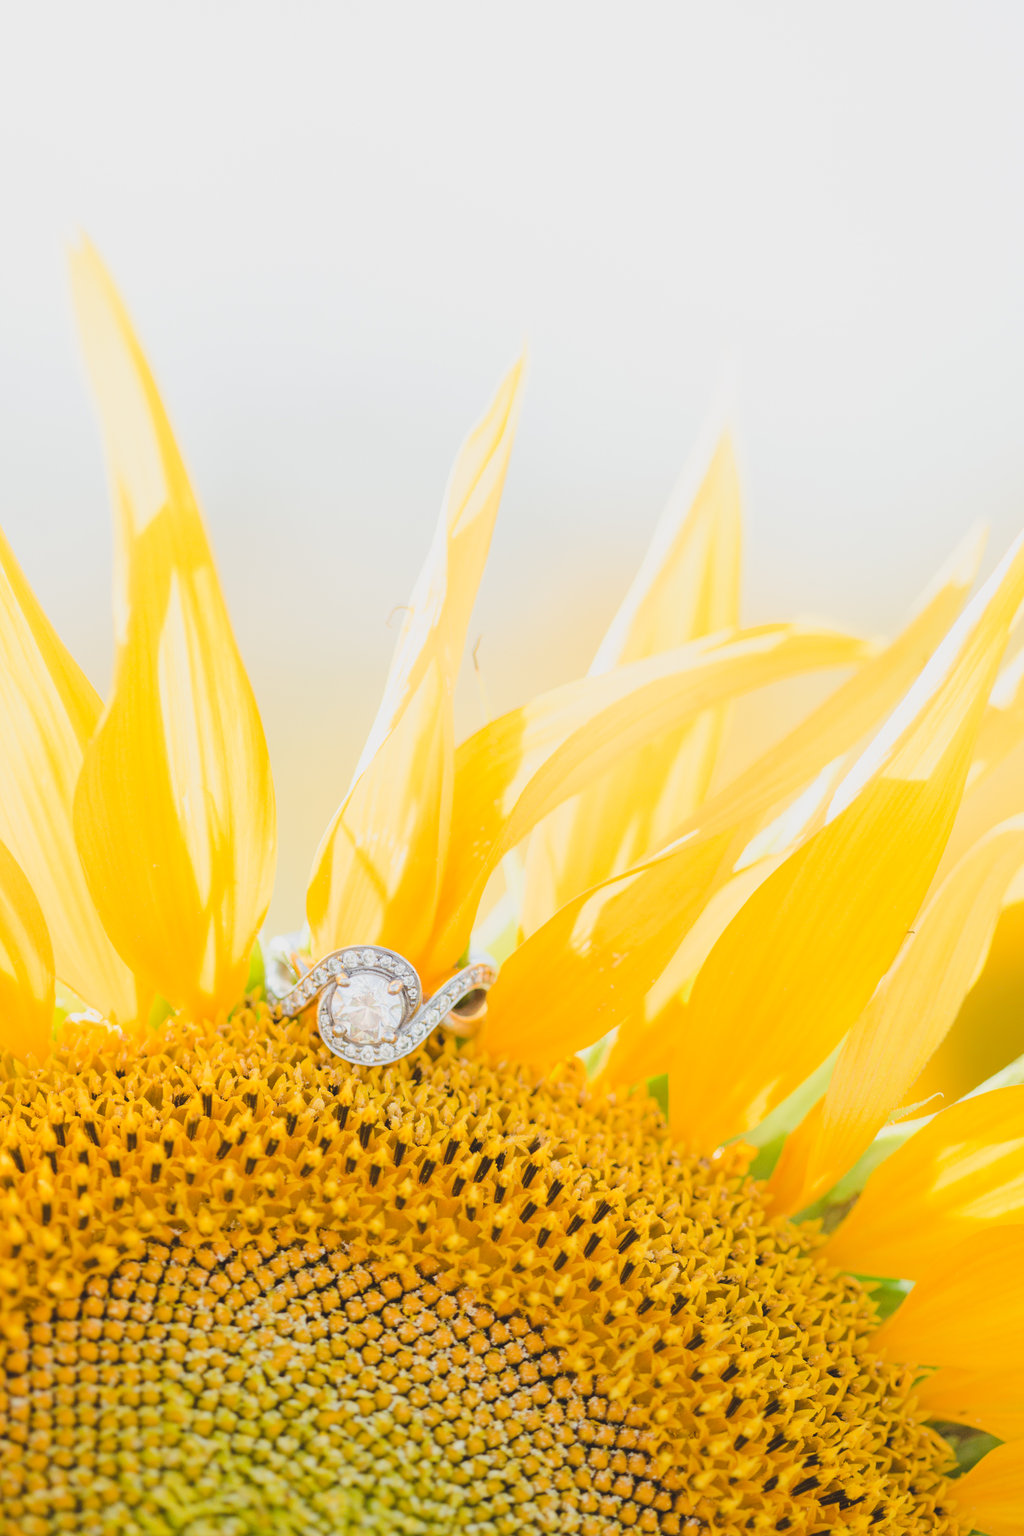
(904, 1022)
(581, 973)
(966, 1311)
(953, 1178)
(377, 872)
(990, 1400)
(174, 814)
(994, 789)
(847, 715)
(988, 1032)
(591, 965)
(645, 701)
(641, 1051)
(49, 711)
(688, 586)
(797, 965)
(643, 1046)
(689, 582)
(804, 760)
(26, 966)
(990, 1496)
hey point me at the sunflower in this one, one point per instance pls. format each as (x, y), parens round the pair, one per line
(717, 1225)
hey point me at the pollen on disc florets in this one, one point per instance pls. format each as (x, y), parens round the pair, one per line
(249, 1289)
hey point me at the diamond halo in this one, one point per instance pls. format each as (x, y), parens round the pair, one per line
(369, 1003)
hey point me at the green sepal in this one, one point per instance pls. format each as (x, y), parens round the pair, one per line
(594, 1057)
(256, 981)
(886, 1294)
(972, 1448)
(967, 1444)
(770, 1136)
(657, 1087)
(160, 1011)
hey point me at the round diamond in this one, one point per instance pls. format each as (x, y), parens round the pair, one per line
(365, 1012)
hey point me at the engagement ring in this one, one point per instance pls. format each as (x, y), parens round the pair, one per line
(370, 1008)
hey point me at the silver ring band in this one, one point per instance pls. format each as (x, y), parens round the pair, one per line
(370, 1008)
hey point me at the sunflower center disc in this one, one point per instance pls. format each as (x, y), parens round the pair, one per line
(365, 1012)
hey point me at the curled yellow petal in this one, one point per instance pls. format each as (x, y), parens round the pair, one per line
(797, 965)
(49, 711)
(958, 1175)
(174, 813)
(966, 1311)
(990, 1496)
(619, 713)
(688, 586)
(26, 966)
(376, 875)
(904, 1022)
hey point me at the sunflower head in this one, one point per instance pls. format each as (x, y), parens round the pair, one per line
(712, 1280)
(263, 1290)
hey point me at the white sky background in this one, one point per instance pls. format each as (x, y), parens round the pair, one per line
(335, 224)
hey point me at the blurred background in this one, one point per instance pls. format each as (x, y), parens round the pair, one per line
(335, 225)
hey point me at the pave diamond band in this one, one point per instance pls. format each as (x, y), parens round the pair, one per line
(370, 1007)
